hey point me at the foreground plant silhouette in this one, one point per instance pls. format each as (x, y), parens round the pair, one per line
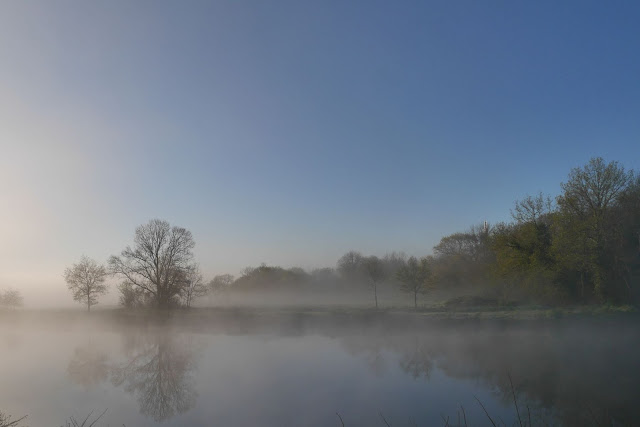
(72, 422)
(5, 420)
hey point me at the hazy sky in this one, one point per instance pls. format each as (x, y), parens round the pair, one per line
(288, 132)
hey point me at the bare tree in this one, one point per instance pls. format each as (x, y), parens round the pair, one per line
(375, 272)
(592, 189)
(11, 298)
(158, 262)
(532, 209)
(350, 266)
(414, 277)
(86, 281)
(194, 286)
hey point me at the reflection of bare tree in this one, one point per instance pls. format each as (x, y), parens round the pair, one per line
(417, 361)
(414, 356)
(88, 366)
(159, 374)
(371, 350)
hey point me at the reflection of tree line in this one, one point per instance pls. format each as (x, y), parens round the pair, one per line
(583, 375)
(157, 370)
(415, 357)
(571, 377)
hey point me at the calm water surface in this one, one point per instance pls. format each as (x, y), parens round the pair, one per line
(302, 372)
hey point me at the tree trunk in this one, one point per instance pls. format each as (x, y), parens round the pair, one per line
(415, 299)
(88, 303)
(375, 293)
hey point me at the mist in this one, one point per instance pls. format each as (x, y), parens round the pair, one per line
(319, 213)
(242, 367)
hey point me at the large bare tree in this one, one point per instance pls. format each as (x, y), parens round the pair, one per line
(158, 262)
(86, 281)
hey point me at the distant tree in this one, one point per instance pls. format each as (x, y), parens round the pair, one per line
(220, 283)
(464, 258)
(158, 262)
(392, 262)
(11, 298)
(375, 271)
(350, 266)
(414, 277)
(194, 287)
(86, 281)
(266, 277)
(324, 279)
(247, 271)
(131, 296)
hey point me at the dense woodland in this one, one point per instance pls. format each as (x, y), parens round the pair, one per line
(582, 247)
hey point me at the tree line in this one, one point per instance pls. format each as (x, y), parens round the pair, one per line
(581, 247)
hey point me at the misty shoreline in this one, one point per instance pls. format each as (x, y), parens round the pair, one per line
(308, 319)
(559, 362)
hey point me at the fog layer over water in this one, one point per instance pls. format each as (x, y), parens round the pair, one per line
(239, 367)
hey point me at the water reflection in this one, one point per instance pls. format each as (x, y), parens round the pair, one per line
(157, 369)
(160, 375)
(572, 375)
(417, 360)
(563, 374)
(88, 366)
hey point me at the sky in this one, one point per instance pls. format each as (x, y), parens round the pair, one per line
(289, 132)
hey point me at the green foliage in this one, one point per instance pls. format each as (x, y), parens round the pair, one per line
(585, 249)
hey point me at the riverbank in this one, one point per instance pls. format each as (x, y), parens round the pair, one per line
(303, 319)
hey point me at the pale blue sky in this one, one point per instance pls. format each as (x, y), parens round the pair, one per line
(289, 132)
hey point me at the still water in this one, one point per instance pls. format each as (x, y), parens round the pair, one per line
(302, 370)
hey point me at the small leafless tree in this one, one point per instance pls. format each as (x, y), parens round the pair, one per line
(194, 286)
(11, 298)
(375, 273)
(414, 277)
(86, 281)
(158, 261)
